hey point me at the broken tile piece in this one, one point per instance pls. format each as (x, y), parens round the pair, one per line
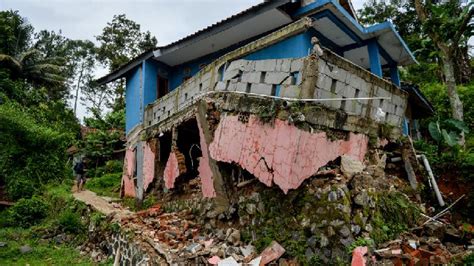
(271, 253)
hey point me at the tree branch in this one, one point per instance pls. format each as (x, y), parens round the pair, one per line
(465, 22)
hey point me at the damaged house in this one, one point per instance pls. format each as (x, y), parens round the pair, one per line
(278, 91)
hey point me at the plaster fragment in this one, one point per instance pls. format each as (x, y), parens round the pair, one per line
(148, 165)
(171, 171)
(205, 172)
(128, 187)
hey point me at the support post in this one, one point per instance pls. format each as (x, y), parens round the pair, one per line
(395, 75)
(374, 57)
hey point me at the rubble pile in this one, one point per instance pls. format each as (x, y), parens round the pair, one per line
(434, 244)
(340, 209)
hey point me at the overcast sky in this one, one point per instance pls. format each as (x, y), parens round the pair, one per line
(168, 20)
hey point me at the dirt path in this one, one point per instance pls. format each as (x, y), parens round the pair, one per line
(100, 203)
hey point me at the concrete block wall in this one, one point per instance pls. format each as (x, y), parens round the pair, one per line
(338, 78)
(179, 98)
(280, 77)
(276, 77)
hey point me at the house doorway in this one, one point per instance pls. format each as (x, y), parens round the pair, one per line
(162, 87)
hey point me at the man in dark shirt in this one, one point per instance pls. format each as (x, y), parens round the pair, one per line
(80, 177)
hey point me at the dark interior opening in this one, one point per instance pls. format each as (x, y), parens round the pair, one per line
(165, 147)
(162, 87)
(188, 144)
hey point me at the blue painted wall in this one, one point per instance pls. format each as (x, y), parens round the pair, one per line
(293, 47)
(177, 73)
(150, 69)
(133, 115)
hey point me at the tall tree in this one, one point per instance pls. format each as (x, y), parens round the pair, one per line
(403, 14)
(36, 69)
(82, 63)
(16, 33)
(449, 25)
(120, 41)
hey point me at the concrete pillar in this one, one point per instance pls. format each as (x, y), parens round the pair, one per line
(374, 57)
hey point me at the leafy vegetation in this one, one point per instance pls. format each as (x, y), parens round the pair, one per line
(42, 253)
(106, 185)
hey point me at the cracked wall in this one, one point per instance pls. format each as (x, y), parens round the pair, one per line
(282, 153)
(148, 164)
(128, 187)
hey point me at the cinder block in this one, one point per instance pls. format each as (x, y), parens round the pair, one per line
(290, 91)
(353, 107)
(323, 94)
(276, 77)
(354, 81)
(231, 86)
(296, 65)
(232, 74)
(252, 77)
(241, 86)
(324, 82)
(240, 64)
(283, 65)
(323, 67)
(349, 92)
(262, 88)
(340, 88)
(221, 86)
(265, 65)
(393, 120)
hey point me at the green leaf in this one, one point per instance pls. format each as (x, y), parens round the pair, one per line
(460, 125)
(450, 138)
(435, 131)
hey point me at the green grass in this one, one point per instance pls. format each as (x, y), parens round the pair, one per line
(43, 253)
(106, 185)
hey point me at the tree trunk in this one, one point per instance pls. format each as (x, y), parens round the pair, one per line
(78, 86)
(456, 104)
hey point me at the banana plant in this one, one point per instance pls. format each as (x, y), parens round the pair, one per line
(447, 132)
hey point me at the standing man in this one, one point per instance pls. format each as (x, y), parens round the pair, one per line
(80, 177)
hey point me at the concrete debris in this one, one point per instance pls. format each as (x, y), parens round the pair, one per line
(271, 253)
(25, 249)
(350, 166)
(426, 246)
(230, 261)
(214, 260)
(358, 256)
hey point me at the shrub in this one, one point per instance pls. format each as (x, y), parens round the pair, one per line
(113, 166)
(106, 184)
(70, 221)
(28, 212)
(32, 153)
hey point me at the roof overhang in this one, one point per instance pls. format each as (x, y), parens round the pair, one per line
(122, 71)
(332, 22)
(236, 30)
(249, 23)
(350, 39)
(421, 107)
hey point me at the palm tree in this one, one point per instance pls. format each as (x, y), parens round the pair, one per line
(36, 69)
